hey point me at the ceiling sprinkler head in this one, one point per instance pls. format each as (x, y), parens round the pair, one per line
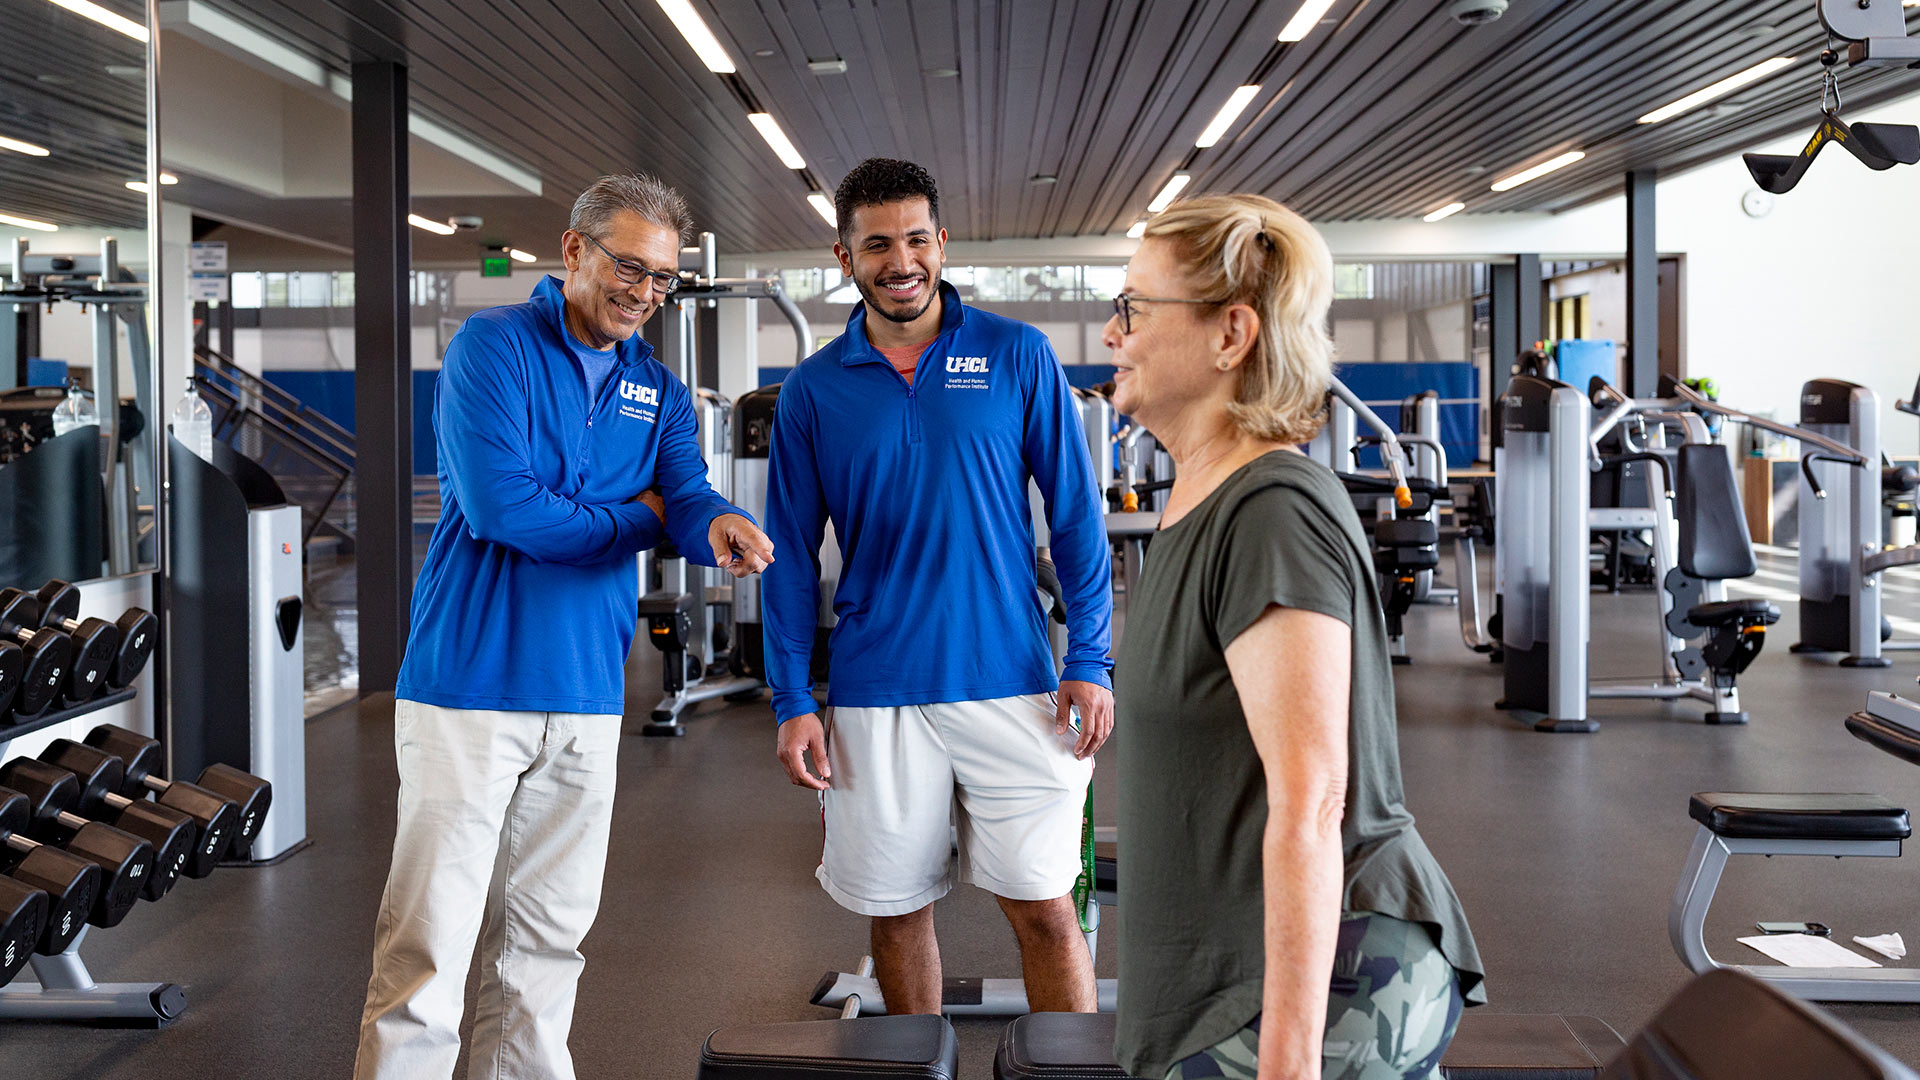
(1476, 12)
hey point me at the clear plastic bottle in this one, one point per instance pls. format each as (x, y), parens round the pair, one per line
(193, 423)
(75, 412)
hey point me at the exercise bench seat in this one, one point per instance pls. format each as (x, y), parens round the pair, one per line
(876, 1047)
(1799, 816)
(1079, 1046)
(1729, 612)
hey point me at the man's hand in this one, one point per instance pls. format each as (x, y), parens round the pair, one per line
(1096, 714)
(799, 735)
(739, 547)
(653, 502)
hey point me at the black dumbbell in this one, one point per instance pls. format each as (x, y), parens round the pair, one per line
(13, 667)
(47, 652)
(214, 818)
(96, 642)
(72, 800)
(134, 632)
(72, 880)
(23, 918)
(142, 758)
(126, 861)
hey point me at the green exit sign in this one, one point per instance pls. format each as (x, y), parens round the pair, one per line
(496, 266)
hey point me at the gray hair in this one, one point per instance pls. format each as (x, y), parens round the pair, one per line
(636, 192)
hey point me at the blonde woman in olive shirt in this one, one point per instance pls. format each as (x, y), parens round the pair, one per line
(1282, 916)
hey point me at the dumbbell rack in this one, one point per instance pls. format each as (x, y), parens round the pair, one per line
(67, 991)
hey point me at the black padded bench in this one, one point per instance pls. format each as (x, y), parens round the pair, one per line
(1079, 1046)
(1800, 823)
(875, 1047)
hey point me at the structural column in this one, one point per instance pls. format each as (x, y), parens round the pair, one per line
(1642, 374)
(1515, 315)
(383, 383)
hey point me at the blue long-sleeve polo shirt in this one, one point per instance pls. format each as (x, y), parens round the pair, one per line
(926, 485)
(527, 599)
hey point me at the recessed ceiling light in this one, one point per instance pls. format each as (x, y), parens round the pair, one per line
(763, 53)
(1720, 89)
(783, 147)
(1760, 30)
(1222, 120)
(439, 228)
(824, 206)
(1445, 212)
(53, 80)
(126, 71)
(21, 147)
(1538, 171)
(87, 9)
(1305, 19)
(694, 29)
(830, 66)
(1474, 170)
(941, 73)
(520, 256)
(1137, 230)
(166, 180)
(28, 223)
(1167, 194)
(1043, 178)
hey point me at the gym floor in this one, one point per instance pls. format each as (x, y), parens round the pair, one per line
(1564, 848)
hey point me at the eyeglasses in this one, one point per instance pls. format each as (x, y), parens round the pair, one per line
(1123, 306)
(634, 273)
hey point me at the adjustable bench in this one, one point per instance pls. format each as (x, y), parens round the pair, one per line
(1079, 1046)
(1834, 825)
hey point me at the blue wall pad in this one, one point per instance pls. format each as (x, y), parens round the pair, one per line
(44, 372)
(330, 393)
(1384, 386)
(1580, 361)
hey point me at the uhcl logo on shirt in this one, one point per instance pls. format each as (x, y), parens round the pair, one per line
(638, 401)
(967, 372)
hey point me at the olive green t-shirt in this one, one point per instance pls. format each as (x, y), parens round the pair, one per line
(1193, 798)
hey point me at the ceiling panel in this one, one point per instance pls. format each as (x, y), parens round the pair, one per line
(1388, 108)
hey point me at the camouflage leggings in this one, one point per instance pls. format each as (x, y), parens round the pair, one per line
(1391, 1011)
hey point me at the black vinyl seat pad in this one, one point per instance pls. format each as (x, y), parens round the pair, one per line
(1881, 733)
(1728, 612)
(1803, 815)
(882, 1047)
(1058, 1046)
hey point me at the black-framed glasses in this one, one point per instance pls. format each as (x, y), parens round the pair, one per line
(1123, 306)
(634, 273)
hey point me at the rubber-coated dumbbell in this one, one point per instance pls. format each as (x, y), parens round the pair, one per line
(142, 758)
(23, 918)
(126, 861)
(76, 879)
(214, 817)
(13, 668)
(134, 632)
(47, 652)
(95, 643)
(65, 802)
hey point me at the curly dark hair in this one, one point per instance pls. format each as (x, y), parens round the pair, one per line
(876, 181)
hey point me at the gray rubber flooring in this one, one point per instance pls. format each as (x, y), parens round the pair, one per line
(1564, 848)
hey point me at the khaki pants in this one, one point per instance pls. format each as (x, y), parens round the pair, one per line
(502, 838)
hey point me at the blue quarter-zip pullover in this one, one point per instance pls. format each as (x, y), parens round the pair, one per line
(926, 485)
(527, 600)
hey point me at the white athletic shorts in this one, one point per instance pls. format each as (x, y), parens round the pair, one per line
(906, 779)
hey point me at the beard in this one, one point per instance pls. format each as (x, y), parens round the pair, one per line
(874, 295)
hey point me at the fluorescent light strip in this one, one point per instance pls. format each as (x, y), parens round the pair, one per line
(28, 223)
(1169, 193)
(439, 227)
(20, 147)
(520, 256)
(1137, 230)
(258, 45)
(166, 180)
(1538, 171)
(462, 147)
(824, 206)
(86, 9)
(1720, 89)
(1305, 20)
(694, 29)
(783, 148)
(1444, 212)
(1236, 103)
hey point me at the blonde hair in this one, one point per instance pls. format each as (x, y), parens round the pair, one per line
(1251, 250)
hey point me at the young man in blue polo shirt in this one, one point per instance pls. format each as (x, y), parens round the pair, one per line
(556, 427)
(917, 433)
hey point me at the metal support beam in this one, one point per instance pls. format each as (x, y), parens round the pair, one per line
(1642, 374)
(1515, 315)
(383, 382)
